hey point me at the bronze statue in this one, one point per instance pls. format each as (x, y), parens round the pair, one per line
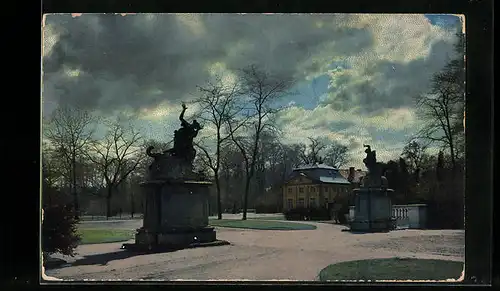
(371, 160)
(183, 139)
(177, 161)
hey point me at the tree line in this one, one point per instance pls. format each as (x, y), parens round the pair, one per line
(436, 179)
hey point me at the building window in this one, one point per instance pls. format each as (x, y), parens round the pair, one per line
(312, 202)
(290, 203)
(326, 189)
(300, 202)
(326, 200)
(301, 189)
(313, 189)
(289, 189)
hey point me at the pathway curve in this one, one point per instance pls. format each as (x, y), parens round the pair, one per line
(262, 254)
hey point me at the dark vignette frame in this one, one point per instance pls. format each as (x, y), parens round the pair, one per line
(23, 265)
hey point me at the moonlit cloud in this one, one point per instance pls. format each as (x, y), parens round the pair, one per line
(369, 67)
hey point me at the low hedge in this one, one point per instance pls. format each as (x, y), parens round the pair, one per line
(301, 213)
(262, 208)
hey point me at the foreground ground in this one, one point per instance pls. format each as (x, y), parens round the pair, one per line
(258, 254)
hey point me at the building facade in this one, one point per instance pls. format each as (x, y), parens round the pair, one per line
(315, 186)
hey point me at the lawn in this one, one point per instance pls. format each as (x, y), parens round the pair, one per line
(261, 224)
(393, 269)
(268, 218)
(102, 235)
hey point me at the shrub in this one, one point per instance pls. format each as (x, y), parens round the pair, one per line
(262, 208)
(300, 213)
(295, 213)
(59, 230)
(319, 213)
(445, 215)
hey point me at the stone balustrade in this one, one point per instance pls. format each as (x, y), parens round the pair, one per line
(407, 216)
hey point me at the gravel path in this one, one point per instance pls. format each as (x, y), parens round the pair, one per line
(260, 254)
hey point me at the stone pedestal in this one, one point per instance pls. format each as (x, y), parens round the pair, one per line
(373, 210)
(175, 215)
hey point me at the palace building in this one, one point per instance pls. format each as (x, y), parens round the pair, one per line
(315, 185)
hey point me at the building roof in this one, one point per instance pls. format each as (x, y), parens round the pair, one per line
(321, 173)
(315, 166)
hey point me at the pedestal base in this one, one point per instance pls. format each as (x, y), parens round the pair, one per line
(169, 248)
(174, 239)
(372, 226)
(373, 211)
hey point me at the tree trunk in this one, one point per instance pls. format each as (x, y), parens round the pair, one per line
(132, 204)
(132, 208)
(219, 207)
(108, 203)
(453, 162)
(73, 185)
(245, 198)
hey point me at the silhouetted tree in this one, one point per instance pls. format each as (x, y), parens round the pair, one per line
(261, 90)
(440, 167)
(69, 131)
(311, 153)
(443, 108)
(336, 154)
(116, 156)
(414, 153)
(219, 105)
(404, 179)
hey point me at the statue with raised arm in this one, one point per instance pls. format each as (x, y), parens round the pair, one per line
(178, 160)
(183, 138)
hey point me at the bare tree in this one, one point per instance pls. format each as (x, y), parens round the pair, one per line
(219, 107)
(443, 107)
(336, 154)
(310, 154)
(69, 131)
(414, 153)
(51, 174)
(261, 90)
(117, 155)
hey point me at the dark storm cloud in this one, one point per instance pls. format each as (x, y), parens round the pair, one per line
(392, 84)
(121, 58)
(141, 60)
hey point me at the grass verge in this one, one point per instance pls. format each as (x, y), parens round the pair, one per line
(268, 218)
(261, 224)
(392, 269)
(102, 235)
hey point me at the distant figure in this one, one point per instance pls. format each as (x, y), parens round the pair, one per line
(334, 211)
